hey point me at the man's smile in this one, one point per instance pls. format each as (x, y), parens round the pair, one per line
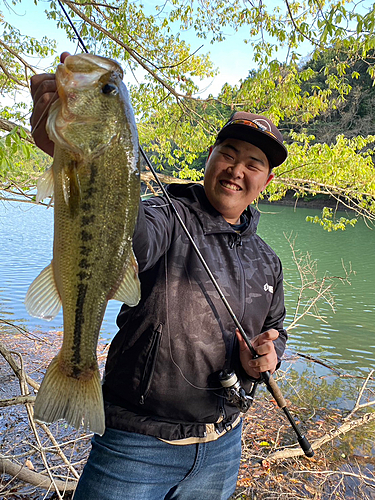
(236, 172)
(230, 185)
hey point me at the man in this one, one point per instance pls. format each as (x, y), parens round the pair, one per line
(170, 432)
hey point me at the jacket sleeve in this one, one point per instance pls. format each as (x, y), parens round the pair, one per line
(276, 316)
(154, 232)
(275, 319)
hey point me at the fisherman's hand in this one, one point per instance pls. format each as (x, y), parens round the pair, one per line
(264, 346)
(44, 93)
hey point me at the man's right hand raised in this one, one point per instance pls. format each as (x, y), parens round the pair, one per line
(43, 93)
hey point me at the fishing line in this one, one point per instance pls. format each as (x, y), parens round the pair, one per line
(45, 111)
(266, 377)
(80, 41)
(170, 343)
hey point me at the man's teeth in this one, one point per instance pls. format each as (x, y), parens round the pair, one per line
(230, 186)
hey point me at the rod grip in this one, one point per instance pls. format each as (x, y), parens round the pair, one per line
(273, 389)
(306, 446)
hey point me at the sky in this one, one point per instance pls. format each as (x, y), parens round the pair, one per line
(233, 57)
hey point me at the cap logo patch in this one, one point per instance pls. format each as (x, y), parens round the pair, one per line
(263, 124)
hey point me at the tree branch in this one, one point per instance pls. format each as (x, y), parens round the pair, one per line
(10, 76)
(343, 429)
(347, 197)
(296, 27)
(15, 54)
(9, 126)
(18, 400)
(40, 480)
(357, 405)
(18, 370)
(129, 50)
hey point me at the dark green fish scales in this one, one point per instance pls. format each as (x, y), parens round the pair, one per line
(95, 183)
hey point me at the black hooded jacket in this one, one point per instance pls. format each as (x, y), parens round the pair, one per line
(161, 376)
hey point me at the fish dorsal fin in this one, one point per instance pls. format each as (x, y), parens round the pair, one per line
(129, 290)
(42, 298)
(45, 185)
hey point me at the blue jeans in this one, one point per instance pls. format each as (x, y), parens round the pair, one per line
(129, 466)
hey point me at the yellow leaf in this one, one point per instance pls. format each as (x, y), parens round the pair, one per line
(29, 464)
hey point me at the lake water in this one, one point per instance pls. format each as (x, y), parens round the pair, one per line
(347, 339)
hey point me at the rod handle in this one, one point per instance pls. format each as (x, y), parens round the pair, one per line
(306, 446)
(274, 389)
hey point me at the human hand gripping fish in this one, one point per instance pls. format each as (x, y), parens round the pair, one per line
(95, 184)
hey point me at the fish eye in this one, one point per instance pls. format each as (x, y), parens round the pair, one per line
(109, 89)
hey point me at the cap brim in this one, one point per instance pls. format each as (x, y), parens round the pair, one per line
(275, 151)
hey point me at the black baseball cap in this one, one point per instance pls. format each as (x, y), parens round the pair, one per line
(259, 131)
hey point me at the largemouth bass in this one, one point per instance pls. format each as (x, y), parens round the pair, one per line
(95, 182)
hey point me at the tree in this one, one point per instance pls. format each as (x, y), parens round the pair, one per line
(175, 125)
(353, 115)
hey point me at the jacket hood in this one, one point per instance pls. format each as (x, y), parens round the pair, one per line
(212, 221)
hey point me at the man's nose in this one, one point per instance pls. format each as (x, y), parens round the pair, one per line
(236, 170)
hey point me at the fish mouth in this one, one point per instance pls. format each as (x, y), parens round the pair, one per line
(230, 185)
(74, 78)
(83, 82)
(70, 83)
(81, 72)
(90, 63)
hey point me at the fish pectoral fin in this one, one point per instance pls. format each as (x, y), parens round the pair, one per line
(42, 298)
(129, 290)
(71, 186)
(45, 185)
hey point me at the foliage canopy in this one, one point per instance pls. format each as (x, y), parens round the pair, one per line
(176, 125)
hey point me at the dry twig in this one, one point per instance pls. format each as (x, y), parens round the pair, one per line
(9, 463)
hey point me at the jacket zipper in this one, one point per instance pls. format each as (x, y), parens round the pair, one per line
(235, 242)
(151, 360)
(242, 283)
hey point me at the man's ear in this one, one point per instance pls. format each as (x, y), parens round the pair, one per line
(270, 177)
(211, 148)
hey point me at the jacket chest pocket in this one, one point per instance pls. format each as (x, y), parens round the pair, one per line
(150, 363)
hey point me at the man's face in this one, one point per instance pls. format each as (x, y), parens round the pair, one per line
(236, 172)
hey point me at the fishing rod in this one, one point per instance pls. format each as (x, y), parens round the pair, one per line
(266, 377)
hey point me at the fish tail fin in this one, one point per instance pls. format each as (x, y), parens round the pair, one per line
(77, 400)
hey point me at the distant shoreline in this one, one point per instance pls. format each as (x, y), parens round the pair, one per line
(316, 202)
